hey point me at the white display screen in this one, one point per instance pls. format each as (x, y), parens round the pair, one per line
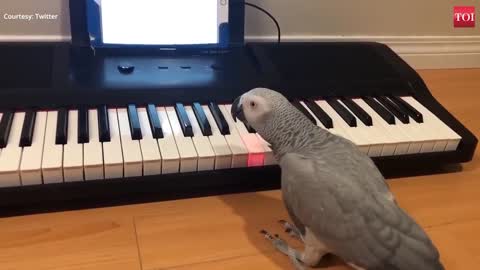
(153, 22)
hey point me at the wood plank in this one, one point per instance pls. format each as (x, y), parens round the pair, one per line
(68, 241)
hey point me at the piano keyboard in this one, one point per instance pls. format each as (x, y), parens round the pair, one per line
(83, 144)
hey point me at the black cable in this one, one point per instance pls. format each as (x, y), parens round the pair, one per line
(269, 15)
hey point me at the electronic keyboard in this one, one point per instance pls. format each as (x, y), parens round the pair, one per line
(82, 128)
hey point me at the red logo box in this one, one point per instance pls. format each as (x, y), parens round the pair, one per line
(464, 16)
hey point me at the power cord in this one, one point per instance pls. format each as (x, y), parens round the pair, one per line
(269, 15)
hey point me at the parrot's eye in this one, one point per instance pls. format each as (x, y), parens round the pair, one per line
(252, 104)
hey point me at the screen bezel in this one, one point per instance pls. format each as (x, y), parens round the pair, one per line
(92, 18)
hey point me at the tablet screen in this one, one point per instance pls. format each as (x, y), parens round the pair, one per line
(160, 22)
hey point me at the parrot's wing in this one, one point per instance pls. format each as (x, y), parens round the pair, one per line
(354, 220)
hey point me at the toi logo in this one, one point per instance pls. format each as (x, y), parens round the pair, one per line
(464, 16)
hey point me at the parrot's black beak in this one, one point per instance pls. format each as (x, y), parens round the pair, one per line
(237, 110)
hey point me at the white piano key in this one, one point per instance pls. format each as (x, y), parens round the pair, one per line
(186, 149)
(52, 153)
(437, 126)
(333, 130)
(206, 155)
(376, 140)
(132, 155)
(395, 142)
(238, 148)
(256, 152)
(12, 154)
(421, 142)
(152, 161)
(30, 167)
(112, 150)
(93, 151)
(344, 129)
(268, 158)
(72, 151)
(223, 153)
(167, 145)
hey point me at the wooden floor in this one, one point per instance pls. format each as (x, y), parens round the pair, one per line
(223, 232)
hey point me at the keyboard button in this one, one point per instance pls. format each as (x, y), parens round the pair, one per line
(238, 148)
(343, 129)
(28, 129)
(396, 141)
(112, 149)
(185, 124)
(219, 118)
(5, 127)
(30, 167)
(52, 152)
(154, 121)
(202, 119)
(437, 127)
(152, 161)
(320, 114)
(135, 129)
(62, 126)
(11, 155)
(389, 105)
(103, 123)
(374, 140)
(73, 150)
(357, 111)
(380, 110)
(186, 149)
(167, 145)
(223, 154)
(416, 115)
(268, 157)
(256, 155)
(206, 155)
(342, 112)
(82, 119)
(302, 109)
(93, 151)
(132, 155)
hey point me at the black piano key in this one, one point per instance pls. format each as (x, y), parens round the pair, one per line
(28, 129)
(83, 129)
(321, 115)
(135, 129)
(219, 118)
(358, 111)
(183, 119)
(380, 110)
(155, 124)
(103, 123)
(400, 114)
(5, 126)
(416, 115)
(302, 109)
(202, 119)
(250, 129)
(343, 112)
(62, 126)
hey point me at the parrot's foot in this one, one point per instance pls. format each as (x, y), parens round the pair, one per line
(292, 230)
(294, 255)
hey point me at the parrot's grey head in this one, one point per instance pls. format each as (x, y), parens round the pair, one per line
(262, 109)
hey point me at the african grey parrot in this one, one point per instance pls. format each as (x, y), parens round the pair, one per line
(335, 195)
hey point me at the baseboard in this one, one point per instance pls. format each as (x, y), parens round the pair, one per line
(421, 52)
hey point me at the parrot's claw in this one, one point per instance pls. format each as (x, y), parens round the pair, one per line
(291, 229)
(283, 247)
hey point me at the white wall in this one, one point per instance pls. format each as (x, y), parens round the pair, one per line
(420, 31)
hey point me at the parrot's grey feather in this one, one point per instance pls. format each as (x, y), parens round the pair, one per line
(335, 191)
(352, 215)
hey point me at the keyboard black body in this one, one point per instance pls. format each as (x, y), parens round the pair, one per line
(49, 76)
